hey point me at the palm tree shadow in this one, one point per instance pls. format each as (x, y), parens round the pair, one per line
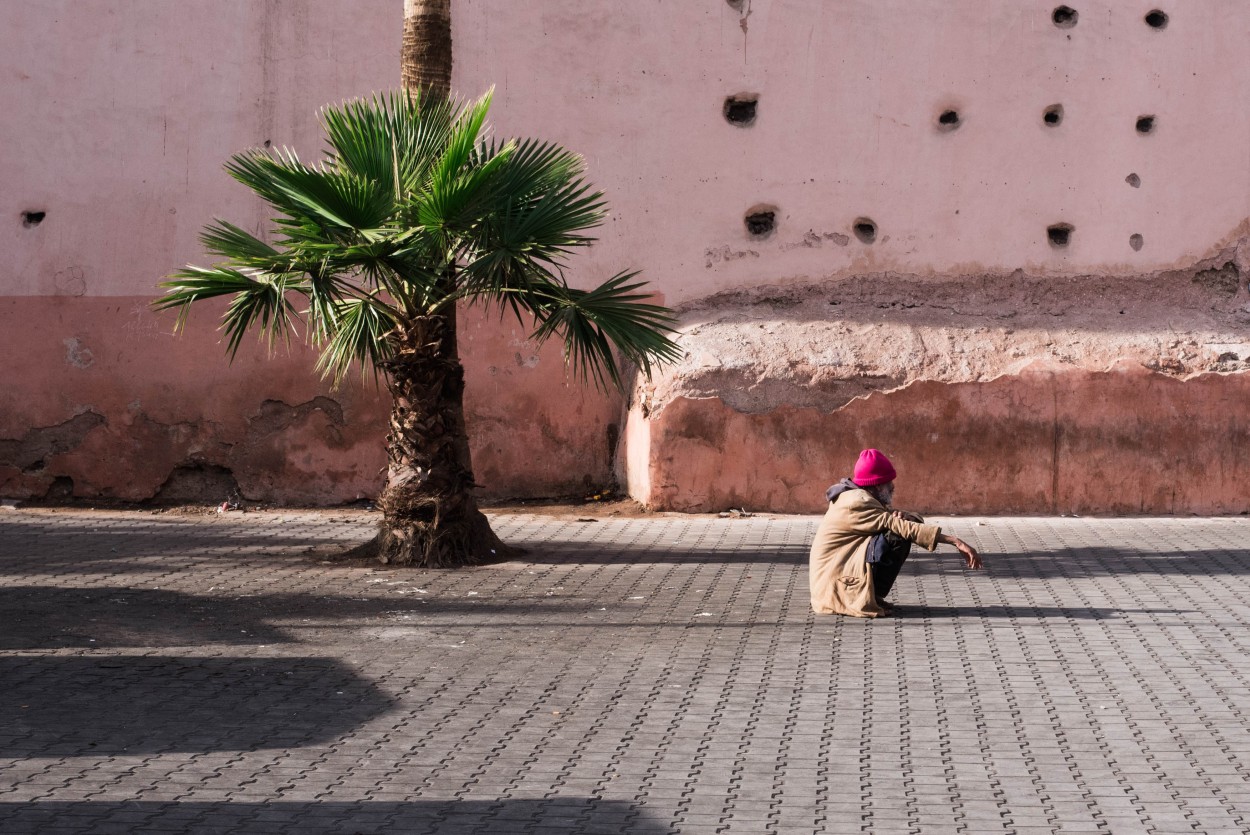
(128, 705)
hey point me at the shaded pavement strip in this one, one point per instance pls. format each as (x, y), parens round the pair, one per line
(663, 674)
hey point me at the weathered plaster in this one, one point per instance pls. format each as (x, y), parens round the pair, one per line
(1019, 394)
(822, 345)
(1051, 439)
(119, 122)
(849, 95)
(152, 404)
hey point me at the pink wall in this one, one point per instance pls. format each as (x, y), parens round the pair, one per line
(784, 329)
(1049, 440)
(849, 98)
(120, 115)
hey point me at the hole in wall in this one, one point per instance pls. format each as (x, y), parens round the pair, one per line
(1145, 124)
(1064, 17)
(1053, 115)
(1157, 19)
(1135, 241)
(761, 221)
(740, 110)
(1059, 234)
(197, 483)
(1133, 180)
(865, 230)
(736, 5)
(32, 219)
(268, 143)
(1225, 279)
(61, 489)
(948, 120)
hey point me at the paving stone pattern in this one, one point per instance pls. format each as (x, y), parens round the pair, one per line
(205, 674)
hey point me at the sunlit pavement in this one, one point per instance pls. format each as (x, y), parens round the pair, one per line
(213, 673)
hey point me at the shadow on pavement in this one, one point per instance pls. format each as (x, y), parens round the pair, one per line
(416, 817)
(48, 617)
(49, 544)
(101, 618)
(112, 705)
(1074, 563)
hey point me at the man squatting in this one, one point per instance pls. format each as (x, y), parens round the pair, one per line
(862, 542)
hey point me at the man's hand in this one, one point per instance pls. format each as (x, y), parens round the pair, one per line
(971, 558)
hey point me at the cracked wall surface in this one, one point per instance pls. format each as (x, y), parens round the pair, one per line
(898, 244)
(821, 345)
(97, 399)
(155, 407)
(1007, 394)
(1050, 439)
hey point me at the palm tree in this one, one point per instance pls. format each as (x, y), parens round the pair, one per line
(413, 211)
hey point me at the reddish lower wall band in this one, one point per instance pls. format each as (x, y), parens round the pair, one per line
(1046, 441)
(98, 400)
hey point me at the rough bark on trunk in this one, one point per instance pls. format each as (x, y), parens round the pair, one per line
(426, 54)
(430, 518)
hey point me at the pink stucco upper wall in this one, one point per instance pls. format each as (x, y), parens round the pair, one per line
(849, 97)
(118, 117)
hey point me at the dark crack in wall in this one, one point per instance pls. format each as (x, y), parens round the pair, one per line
(31, 452)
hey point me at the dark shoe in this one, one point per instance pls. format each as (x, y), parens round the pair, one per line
(885, 604)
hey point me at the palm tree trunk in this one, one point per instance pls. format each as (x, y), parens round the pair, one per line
(430, 518)
(426, 54)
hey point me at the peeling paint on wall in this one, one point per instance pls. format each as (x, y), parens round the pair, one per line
(822, 345)
(1001, 394)
(78, 355)
(1049, 440)
(31, 452)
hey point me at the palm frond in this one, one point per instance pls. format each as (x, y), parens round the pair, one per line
(332, 201)
(457, 205)
(541, 226)
(362, 326)
(535, 167)
(592, 322)
(260, 301)
(420, 127)
(463, 140)
(240, 246)
(360, 140)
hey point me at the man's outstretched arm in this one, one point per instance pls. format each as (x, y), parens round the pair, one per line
(971, 558)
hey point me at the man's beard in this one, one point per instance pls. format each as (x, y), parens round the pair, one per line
(886, 493)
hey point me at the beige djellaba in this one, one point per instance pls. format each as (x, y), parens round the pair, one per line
(839, 574)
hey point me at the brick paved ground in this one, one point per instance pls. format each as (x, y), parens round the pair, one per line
(203, 674)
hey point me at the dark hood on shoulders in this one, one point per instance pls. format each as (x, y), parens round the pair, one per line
(841, 487)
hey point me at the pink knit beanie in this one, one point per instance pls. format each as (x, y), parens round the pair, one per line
(873, 468)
